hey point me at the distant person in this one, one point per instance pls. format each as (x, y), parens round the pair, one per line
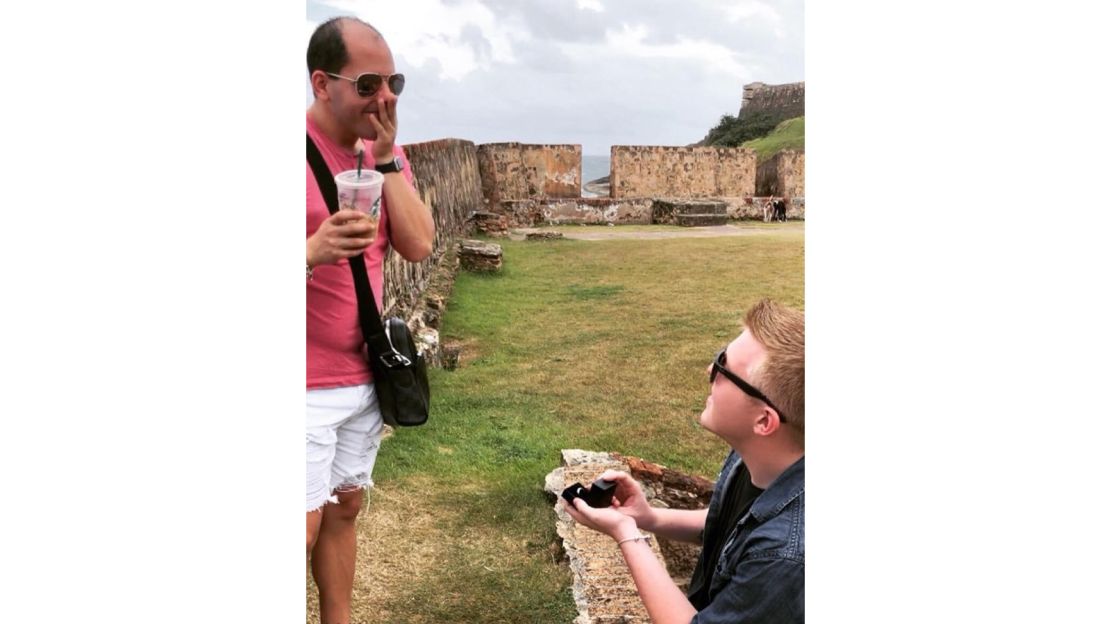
(352, 120)
(752, 563)
(780, 209)
(768, 206)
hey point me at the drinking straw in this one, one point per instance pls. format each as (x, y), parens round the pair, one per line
(359, 174)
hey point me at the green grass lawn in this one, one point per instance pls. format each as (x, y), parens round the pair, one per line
(571, 229)
(790, 134)
(599, 345)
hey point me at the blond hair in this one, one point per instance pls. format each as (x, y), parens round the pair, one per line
(782, 374)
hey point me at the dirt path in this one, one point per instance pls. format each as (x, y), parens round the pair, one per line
(635, 232)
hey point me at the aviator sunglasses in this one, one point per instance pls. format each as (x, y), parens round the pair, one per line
(719, 362)
(368, 84)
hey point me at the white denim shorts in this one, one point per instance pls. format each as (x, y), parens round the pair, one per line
(343, 427)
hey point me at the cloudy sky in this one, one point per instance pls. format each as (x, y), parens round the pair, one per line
(592, 72)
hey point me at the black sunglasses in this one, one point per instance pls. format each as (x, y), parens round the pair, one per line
(719, 362)
(368, 84)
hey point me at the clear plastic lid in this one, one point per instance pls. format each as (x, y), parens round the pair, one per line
(351, 179)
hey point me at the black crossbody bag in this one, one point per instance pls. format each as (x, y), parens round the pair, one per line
(400, 373)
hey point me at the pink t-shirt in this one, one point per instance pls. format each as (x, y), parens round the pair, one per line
(335, 342)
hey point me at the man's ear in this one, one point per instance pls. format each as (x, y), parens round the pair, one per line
(767, 423)
(319, 81)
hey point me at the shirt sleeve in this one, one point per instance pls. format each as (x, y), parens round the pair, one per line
(763, 590)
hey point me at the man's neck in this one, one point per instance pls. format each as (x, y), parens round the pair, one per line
(331, 129)
(766, 463)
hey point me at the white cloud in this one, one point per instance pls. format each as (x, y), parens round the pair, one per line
(593, 5)
(749, 9)
(736, 11)
(630, 42)
(438, 34)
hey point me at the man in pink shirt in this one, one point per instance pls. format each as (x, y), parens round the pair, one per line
(355, 88)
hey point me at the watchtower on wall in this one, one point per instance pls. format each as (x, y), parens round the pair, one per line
(784, 101)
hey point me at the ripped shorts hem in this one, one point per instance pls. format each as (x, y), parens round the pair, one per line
(362, 484)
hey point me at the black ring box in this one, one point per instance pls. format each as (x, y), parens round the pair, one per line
(600, 493)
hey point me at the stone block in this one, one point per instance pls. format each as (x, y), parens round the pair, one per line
(543, 236)
(701, 220)
(490, 223)
(479, 256)
(449, 356)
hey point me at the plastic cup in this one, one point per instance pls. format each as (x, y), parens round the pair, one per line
(363, 194)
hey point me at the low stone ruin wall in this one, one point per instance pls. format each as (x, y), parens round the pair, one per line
(604, 591)
(578, 211)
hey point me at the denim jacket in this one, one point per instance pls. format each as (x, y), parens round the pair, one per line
(760, 576)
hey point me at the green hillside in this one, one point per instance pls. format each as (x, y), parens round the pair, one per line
(732, 131)
(790, 134)
(760, 131)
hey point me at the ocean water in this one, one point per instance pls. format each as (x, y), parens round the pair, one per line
(594, 167)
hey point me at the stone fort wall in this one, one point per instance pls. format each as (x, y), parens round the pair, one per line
(784, 174)
(783, 101)
(445, 173)
(536, 184)
(681, 172)
(517, 171)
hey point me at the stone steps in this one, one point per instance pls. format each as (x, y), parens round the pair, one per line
(701, 208)
(688, 212)
(700, 220)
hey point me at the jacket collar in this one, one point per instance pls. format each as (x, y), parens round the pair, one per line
(788, 486)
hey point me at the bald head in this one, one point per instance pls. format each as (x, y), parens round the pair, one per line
(327, 50)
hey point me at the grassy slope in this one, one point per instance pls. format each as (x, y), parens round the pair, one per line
(790, 134)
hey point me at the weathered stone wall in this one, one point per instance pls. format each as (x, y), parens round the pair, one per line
(597, 211)
(446, 178)
(681, 172)
(501, 169)
(553, 170)
(784, 174)
(516, 171)
(578, 211)
(783, 101)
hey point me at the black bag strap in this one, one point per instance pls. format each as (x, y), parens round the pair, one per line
(369, 319)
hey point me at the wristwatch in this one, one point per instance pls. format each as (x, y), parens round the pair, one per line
(390, 167)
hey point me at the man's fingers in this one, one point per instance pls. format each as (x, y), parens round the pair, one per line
(345, 214)
(574, 513)
(374, 121)
(357, 228)
(391, 113)
(583, 508)
(353, 244)
(616, 475)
